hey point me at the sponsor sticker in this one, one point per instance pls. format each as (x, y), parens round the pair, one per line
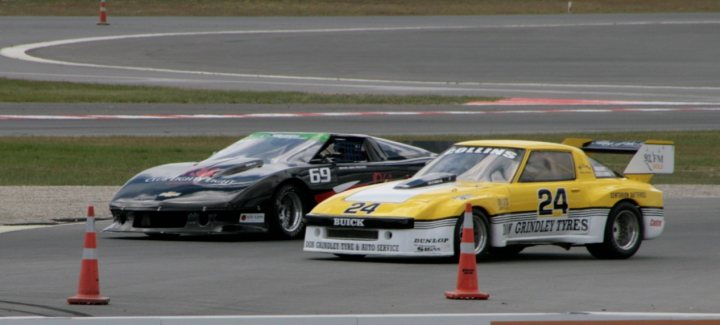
(378, 177)
(656, 222)
(348, 222)
(482, 150)
(170, 194)
(503, 203)
(652, 159)
(351, 247)
(429, 245)
(251, 218)
(547, 226)
(428, 249)
(191, 179)
(627, 195)
(441, 240)
(351, 167)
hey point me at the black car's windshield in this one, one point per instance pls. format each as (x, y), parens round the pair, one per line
(480, 164)
(268, 146)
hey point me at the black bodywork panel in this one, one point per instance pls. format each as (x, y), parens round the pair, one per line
(229, 193)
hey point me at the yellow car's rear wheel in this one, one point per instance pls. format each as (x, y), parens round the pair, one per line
(507, 251)
(623, 233)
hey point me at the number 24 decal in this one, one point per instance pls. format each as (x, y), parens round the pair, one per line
(362, 207)
(545, 199)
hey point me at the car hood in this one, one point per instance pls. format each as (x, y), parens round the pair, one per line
(212, 182)
(396, 200)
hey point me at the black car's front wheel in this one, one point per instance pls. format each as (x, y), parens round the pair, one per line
(286, 211)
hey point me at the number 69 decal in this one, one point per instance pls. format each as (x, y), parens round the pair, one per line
(320, 175)
(545, 199)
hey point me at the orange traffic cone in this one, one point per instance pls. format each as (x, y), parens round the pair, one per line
(467, 285)
(103, 14)
(89, 284)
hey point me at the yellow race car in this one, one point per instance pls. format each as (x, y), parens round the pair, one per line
(523, 193)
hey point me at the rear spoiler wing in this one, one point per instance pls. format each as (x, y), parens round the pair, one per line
(650, 157)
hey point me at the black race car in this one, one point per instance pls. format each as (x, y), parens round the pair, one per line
(265, 181)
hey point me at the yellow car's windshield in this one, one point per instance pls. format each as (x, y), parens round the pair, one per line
(479, 164)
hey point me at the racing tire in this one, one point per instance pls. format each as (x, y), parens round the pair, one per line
(507, 251)
(349, 257)
(481, 231)
(623, 233)
(285, 213)
(160, 236)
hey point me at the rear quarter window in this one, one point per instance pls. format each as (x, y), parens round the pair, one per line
(600, 170)
(399, 151)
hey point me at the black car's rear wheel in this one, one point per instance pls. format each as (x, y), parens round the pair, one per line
(286, 211)
(157, 235)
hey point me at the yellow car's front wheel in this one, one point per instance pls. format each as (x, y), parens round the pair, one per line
(481, 234)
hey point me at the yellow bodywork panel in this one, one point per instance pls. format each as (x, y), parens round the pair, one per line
(584, 190)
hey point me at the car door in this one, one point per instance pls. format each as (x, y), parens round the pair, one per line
(343, 163)
(543, 198)
(355, 164)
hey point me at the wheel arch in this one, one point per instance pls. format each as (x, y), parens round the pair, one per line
(482, 209)
(635, 204)
(632, 202)
(306, 193)
(476, 210)
(488, 204)
(276, 218)
(613, 245)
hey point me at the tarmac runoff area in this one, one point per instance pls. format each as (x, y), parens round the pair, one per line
(429, 319)
(27, 207)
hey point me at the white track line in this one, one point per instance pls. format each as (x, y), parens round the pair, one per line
(4, 229)
(389, 319)
(348, 114)
(20, 52)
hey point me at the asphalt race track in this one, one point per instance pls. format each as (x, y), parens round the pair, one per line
(668, 64)
(255, 276)
(637, 57)
(662, 60)
(237, 120)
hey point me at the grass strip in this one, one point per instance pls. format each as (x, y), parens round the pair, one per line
(25, 91)
(345, 7)
(113, 160)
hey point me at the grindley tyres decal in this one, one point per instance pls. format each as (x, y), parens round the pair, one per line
(577, 222)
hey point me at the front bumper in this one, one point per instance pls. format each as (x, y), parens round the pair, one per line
(186, 222)
(435, 241)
